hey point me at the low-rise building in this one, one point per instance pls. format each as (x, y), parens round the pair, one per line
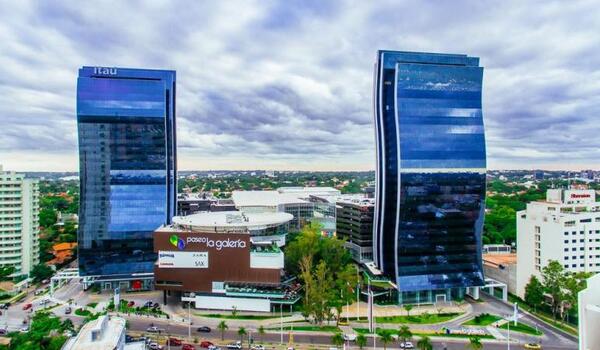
(354, 223)
(501, 267)
(104, 333)
(225, 260)
(565, 227)
(589, 314)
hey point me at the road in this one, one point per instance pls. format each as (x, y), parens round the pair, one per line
(179, 330)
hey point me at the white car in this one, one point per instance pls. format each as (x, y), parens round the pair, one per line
(257, 347)
(24, 329)
(407, 345)
(349, 337)
(155, 346)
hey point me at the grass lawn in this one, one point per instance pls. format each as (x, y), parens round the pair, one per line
(241, 317)
(82, 312)
(569, 328)
(332, 329)
(522, 328)
(417, 319)
(431, 334)
(484, 320)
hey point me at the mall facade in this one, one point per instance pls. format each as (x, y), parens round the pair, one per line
(127, 167)
(226, 260)
(430, 174)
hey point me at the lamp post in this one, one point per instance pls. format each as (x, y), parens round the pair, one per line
(192, 295)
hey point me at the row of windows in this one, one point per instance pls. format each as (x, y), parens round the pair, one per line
(581, 248)
(582, 240)
(581, 265)
(574, 257)
(582, 232)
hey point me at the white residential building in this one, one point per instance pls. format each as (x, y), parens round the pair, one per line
(589, 314)
(565, 227)
(104, 333)
(19, 222)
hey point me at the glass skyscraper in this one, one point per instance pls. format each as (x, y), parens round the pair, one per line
(431, 165)
(127, 168)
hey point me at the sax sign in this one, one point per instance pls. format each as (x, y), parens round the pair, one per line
(182, 260)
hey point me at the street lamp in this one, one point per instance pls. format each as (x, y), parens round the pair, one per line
(191, 295)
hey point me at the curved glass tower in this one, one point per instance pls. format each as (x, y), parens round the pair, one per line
(127, 168)
(431, 165)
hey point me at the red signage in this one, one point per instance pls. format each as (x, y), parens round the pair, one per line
(574, 195)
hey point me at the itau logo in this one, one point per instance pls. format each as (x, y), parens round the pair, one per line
(177, 242)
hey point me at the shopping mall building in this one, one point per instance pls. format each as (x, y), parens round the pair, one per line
(225, 260)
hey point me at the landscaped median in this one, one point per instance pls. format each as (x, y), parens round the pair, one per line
(482, 320)
(332, 329)
(427, 333)
(424, 318)
(242, 317)
(521, 328)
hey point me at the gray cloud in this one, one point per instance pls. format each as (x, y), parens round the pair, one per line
(288, 84)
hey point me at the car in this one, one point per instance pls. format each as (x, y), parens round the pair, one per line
(46, 281)
(407, 345)
(68, 310)
(154, 346)
(155, 306)
(24, 329)
(4, 306)
(3, 331)
(237, 345)
(257, 347)
(129, 339)
(131, 303)
(174, 341)
(533, 346)
(204, 329)
(213, 347)
(349, 337)
(206, 344)
(149, 303)
(27, 306)
(152, 329)
(188, 347)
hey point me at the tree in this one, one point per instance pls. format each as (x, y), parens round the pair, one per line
(385, 336)
(222, 326)
(6, 271)
(242, 332)
(424, 343)
(67, 325)
(47, 217)
(261, 332)
(337, 339)
(475, 343)
(554, 279)
(234, 311)
(404, 333)
(361, 341)
(41, 272)
(534, 292)
(408, 307)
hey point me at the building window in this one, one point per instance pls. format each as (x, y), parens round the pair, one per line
(566, 258)
(566, 249)
(566, 241)
(574, 265)
(566, 233)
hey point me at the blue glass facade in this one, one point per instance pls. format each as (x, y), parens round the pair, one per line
(430, 174)
(127, 167)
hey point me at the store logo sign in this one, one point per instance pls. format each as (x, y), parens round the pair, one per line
(177, 242)
(105, 71)
(218, 244)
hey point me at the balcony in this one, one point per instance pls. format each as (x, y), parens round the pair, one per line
(266, 257)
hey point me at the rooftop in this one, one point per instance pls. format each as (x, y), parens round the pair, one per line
(232, 219)
(500, 259)
(264, 198)
(103, 333)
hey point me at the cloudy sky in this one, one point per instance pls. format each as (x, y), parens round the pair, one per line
(287, 84)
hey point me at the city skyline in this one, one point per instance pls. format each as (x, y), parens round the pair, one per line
(288, 86)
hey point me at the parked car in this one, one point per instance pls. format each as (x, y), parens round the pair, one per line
(3, 331)
(129, 339)
(187, 347)
(4, 306)
(68, 310)
(213, 347)
(174, 342)
(24, 329)
(155, 306)
(407, 345)
(27, 306)
(46, 281)
(257, 347)
(204, 329)
(149, 303)
(206, 344)
(154, 346)
(131, 303)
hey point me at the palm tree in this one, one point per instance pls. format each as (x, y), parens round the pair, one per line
(407, 307)
(361, 341)
(337, 339)
(261, 332)
(385, 336)
(222, 326)
(242, 332)
(475, 343)
(404, 333)
(424, 343)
